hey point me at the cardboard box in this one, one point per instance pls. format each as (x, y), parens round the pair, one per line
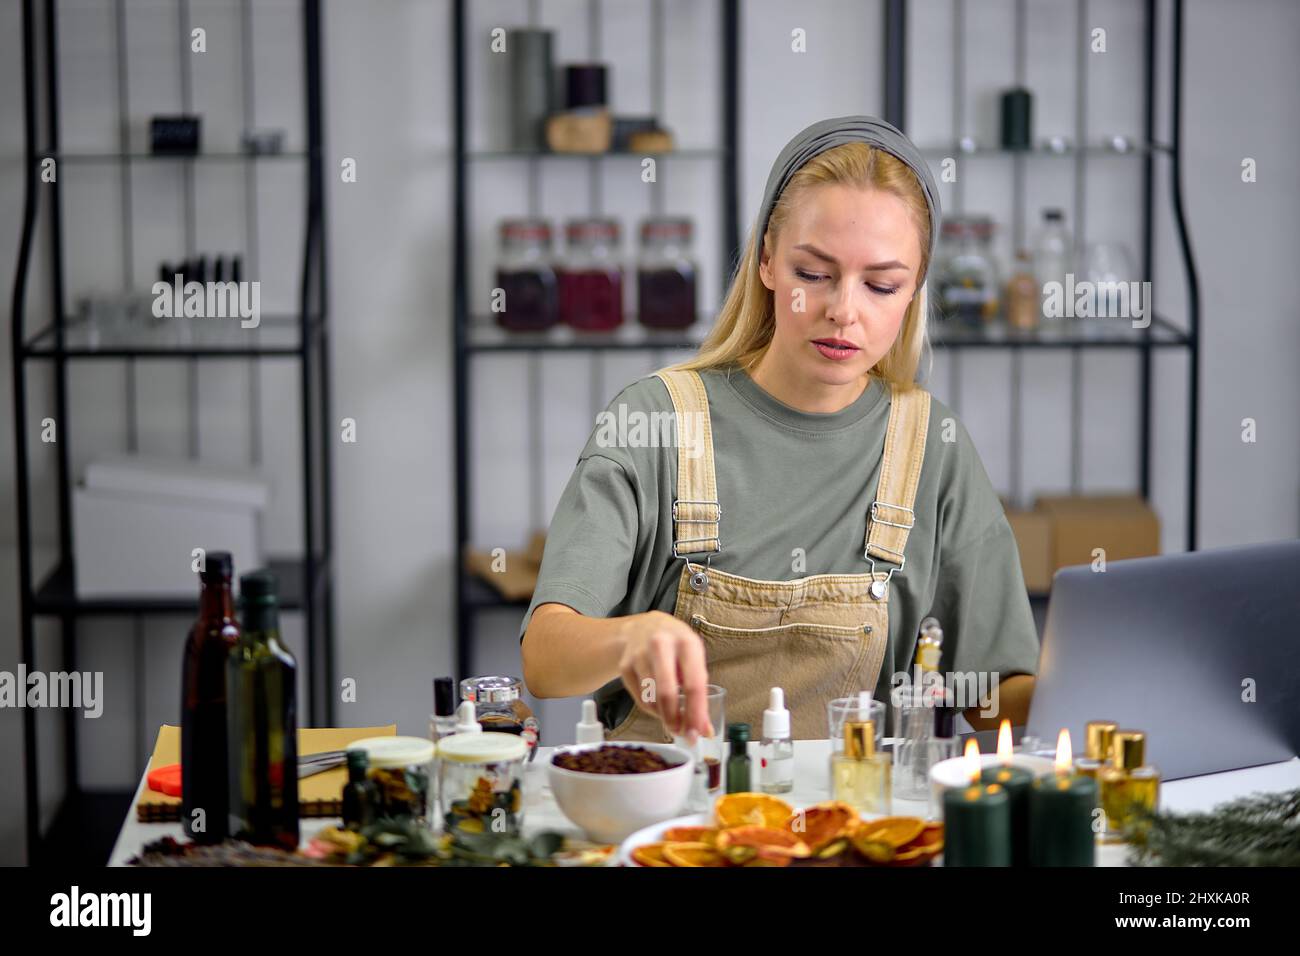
(1033, 531)
(1124, 526)
(137, 520)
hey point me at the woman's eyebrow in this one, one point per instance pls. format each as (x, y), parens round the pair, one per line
(874, 267)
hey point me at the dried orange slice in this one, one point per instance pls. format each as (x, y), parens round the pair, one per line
(751, 809)
(743, 845)
(895, 831)
(650, 854)
(693, 854)
(823, 824)
(690, 835)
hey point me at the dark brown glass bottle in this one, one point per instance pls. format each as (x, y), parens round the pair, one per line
(204, 783)
(262, 722)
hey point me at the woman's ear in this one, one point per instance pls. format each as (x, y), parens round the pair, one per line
(765, 266)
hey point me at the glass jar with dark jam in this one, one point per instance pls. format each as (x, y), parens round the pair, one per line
(591, 277)
(526, 277)
(499, 707)
(665, 274)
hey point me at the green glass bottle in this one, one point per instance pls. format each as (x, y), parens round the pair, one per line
(263, 722)
(361, 795)
(738, 764)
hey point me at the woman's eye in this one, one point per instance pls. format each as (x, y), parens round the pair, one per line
(883, 290)
(807, 276)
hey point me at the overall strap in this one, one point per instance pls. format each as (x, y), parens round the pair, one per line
(696, 511)
(891, 516)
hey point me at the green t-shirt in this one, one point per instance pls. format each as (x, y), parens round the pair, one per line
(792, 484)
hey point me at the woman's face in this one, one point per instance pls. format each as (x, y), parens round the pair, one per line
(842, 276)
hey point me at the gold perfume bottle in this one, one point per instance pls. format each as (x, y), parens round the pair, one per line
(860, 776)
(1129, 787)
(1099, 736)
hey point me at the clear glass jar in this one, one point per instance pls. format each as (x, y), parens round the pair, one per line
(499, 707)
(666, 274)
(527, 277)
(401, 767)
(590, 276)
(481, 781)
(967, 278)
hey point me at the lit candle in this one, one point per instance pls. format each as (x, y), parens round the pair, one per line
(1060, 814)
(1016, 781)
(976, 820)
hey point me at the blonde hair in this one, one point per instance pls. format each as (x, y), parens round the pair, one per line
(745, 325)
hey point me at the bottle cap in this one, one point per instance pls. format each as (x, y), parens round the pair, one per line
(358, 761)
(1129, 749)
(738, 737)
(466, 722)
(391, 752)
(590, 730)
(859, 738)
(444, 703)
(776, 719)
(260, 586)
(495, 689)
(482, 748)
(1099, 737)
(217, 566)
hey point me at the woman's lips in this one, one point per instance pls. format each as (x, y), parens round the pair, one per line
(837, 350)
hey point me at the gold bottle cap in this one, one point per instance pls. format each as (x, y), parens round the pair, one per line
(859, 738)
(1129, 749)
(1099, 735)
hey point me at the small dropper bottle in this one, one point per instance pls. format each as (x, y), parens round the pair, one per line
(776, 750)
(589, 730)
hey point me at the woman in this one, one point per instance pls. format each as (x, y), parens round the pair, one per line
(818, 504)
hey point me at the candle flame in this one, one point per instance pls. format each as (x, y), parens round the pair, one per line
(1004, 743)
(1064, 753)
(973, 761)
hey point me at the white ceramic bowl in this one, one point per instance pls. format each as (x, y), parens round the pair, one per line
(610, 806)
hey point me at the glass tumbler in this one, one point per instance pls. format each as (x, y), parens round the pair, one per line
(708, 752)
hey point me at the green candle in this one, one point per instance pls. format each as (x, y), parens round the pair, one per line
(1016, 782)
(1060, 821)
(976, 826)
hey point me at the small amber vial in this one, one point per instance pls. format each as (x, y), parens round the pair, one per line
(1130, 788)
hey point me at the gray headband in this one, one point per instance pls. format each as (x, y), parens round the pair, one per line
(836, 131)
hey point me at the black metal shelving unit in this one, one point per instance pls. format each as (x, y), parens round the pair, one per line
(1084, 335)
(473, 335)
(306, 578)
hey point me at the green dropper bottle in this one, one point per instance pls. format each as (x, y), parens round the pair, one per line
(738, 763)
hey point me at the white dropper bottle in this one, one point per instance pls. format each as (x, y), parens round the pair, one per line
(776, 750)
(467, 719)
(590, 730)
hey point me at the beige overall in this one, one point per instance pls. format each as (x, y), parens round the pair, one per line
(818, 637)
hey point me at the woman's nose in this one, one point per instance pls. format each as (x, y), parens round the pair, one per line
(843, 307)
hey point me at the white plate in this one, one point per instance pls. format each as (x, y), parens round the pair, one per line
(655, 831)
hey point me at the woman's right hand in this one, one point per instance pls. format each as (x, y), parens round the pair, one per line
(660, 655)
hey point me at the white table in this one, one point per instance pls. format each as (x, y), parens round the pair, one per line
(811, 776)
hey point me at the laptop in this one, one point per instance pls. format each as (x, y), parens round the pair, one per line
(1201, 650)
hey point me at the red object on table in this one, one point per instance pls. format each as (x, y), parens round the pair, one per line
(165, 780)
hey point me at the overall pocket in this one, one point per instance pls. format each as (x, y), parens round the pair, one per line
(814, 663)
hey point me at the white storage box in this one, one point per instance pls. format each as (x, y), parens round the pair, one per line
(137, 521)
